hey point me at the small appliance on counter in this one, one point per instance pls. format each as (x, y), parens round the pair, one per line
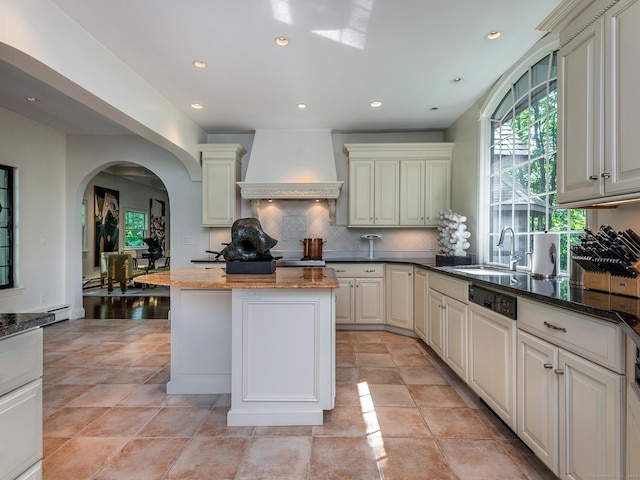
(544, 261)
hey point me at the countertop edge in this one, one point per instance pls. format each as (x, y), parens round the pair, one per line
(12, 323)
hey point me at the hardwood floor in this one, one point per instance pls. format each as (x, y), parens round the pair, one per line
(121, 307)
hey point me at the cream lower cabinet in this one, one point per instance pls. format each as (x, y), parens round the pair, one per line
(570, 407)
(399, 296)
(448, 327)
(221, 166)
(360, 297)
(420, 303)
(492, 354)
(21, 405)
(633, 413)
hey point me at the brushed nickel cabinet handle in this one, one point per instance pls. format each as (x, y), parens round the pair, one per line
(548, 365)
(553, 327)
(606, 175)
(558, 371)
(593, 177)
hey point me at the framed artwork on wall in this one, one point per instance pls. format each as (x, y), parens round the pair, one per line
(157, 221)
(107, 215)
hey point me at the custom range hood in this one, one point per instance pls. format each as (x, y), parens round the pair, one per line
(291, 164)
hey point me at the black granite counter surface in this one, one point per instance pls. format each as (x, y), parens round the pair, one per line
(11, 323)
(558, 291)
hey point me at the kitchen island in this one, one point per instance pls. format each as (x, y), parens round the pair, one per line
(267, 339)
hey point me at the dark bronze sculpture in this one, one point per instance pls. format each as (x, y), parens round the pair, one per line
(248, 242)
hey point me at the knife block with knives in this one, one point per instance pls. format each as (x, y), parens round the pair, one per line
(610, 259)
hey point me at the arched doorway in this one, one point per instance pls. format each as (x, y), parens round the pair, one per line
(122, 205)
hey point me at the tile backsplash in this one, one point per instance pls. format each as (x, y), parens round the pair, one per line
(290, 221)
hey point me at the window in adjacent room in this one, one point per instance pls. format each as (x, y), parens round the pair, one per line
(6, 227)
(136, 226)
(522, 167)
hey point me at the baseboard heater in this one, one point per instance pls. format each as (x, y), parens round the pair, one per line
(61, 312)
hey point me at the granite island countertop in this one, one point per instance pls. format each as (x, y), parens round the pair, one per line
(217, 278)
(11, 323)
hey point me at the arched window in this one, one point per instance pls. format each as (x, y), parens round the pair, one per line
(520, 125)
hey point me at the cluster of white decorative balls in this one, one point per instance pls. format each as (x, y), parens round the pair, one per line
(453, 234)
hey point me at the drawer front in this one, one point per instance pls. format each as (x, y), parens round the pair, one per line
(450, 287)
(20, 429)
(34, 473)
(20, 359)
(344, 270)
(597, 340)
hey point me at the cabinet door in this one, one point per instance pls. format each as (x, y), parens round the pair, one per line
(436, 322)
(437, 191)
(492, 373)
(622, 102)
(220, 199)
(591, 437)
(537, 412)
(420, 302)
(633, 433)
(361, 187)
(580, 125)
(455, 323)
(369, 300)
(345, 296)
(386, 192)
(399, 293)
(412, 192)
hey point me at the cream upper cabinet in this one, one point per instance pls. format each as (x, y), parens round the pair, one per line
(398, 184)
(221, 165)
(597, 100)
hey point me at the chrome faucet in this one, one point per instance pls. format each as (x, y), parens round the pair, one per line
(513, 260)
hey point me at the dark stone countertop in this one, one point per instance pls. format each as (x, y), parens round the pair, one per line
(559, 292)
(11, 323)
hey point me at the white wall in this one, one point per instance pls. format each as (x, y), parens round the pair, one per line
(133, 196)
(38, 153)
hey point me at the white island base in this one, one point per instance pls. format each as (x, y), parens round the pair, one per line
(272, 349)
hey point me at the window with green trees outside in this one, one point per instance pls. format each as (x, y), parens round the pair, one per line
(136, 224)
(522, 174)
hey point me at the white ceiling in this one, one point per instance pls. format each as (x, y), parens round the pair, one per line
(342, 55)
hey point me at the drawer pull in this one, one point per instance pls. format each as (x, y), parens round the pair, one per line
(553, 327)
(369, 271)
(340, 271)
(558, 371)
(593, 177)
(548, 365)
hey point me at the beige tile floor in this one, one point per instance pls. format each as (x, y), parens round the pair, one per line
(400, 415)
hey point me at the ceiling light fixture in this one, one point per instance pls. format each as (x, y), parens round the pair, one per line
(456, 80)
(282, 41)
(376, 104)
(493, 35)
(197, 106)
(301, 106)
(33, 99)
(199, 64)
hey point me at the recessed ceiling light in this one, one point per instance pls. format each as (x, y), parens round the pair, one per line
(301, 106)
(199, 64)
(493, 35)
(376, 104)
(282, 41)
(456, 80)
(197, 106)
(33, 99)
